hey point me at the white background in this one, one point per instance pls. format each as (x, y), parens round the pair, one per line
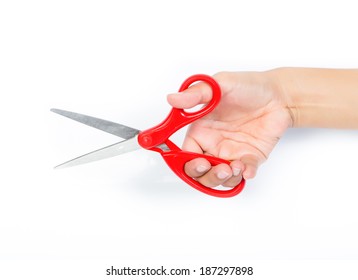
(117, 60)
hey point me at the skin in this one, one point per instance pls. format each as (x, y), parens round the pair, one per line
(256, 109)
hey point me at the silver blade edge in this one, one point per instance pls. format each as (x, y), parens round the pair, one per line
(116, 149)
(119, 130)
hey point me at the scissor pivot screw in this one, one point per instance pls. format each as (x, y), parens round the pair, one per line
(146, 140)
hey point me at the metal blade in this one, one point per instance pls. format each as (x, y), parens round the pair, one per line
(106, 152)
(120, 130)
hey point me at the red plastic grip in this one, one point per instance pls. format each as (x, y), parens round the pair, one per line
(179, 118)
(176, 161)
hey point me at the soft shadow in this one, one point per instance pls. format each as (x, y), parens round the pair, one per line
(158, 180)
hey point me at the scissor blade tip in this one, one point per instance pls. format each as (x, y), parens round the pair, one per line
(63, 165)
(58, 167)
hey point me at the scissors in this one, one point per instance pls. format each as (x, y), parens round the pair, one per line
(157, 139)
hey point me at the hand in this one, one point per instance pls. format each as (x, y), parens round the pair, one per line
(243, 128)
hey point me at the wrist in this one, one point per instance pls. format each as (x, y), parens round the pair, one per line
(283, 86)
(326, 98)
(308, 96)
(319, 97)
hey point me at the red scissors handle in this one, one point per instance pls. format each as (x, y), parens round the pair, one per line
(175, 157)
(179, 118)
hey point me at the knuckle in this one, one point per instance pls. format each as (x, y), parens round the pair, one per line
(220, 74)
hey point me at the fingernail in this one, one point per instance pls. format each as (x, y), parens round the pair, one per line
(201, 168)
(236, 171)
(222, 175)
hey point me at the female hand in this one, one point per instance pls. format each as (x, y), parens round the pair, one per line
(244, 128)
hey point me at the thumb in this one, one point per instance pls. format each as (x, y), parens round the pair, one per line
(199, 93)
